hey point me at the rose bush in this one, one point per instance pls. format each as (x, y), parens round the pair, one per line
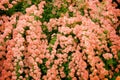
(59, 40)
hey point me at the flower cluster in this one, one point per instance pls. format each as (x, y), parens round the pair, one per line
(59, 40)
(7, 4)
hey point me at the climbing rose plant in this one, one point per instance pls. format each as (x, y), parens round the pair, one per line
(59, 39)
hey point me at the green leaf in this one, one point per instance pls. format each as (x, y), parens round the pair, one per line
(37, 18)
(29, 78)
(66, 68)
(44, 60)
(63, 9)
(67, 78)
(17, 69)
(14, 25)
(115, 75)
(110, 61)
(118, 54)
(50, 48)
(51, 64)
(24, 35)
(18, 74)
(82, 11)
(19, 7)
(45, 29)
(71, 14)
(10, 1)
(77, 40)
(70, 53)
(118, 30)
(9, 37)
(43, 67)
(95, 20)
(26, 28)
(48, 0)
(35, 2)
(109, 43)
(23, 74)
(105, 31)
(52, 41)
(47, 14)
(5, 5)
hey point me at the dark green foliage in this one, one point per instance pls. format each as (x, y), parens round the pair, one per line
(105, 31)
(23, 57)
(73, 35)
(77, 40)
(95, 20)
(5, 5)
(70, 53)
(70, 14)
(23, 74)
(49, 38)
(118, 54)
(51, 64)
(25, 29)
(24, 35)
(29, 78)
(37, 18)
(19, 7)
(50, 48)
(55, 58)
(14, 25)
(35, 2)
(109, 63)
(17, 69)
(44, 60)
(48, 0)
(45, 29)
(114, 76)
(49, 34)
(43, 67)
(88, 11)
(63, 9)
(70, 56)
(66, 68)
(82, 11)
(52, 41)
(109, 43)
(47, 15)
(10, 1)
(117, 2)
(58, 47)
(118, 30)
(66, 78)
(9, 37)
(66, 71)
